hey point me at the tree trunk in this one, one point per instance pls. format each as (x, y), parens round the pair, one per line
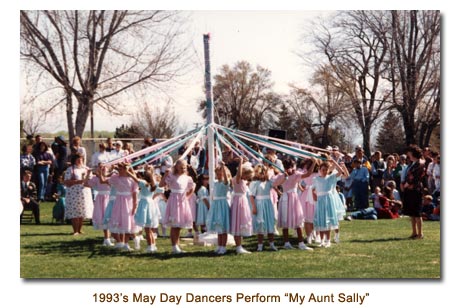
(69, 115)
(428, 133)
(84, 103)
(408, 125)
(326, 127)
(423, 128)
(366, 140)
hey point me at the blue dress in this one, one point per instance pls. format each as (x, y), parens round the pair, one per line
(340, 205)
(60, 205)
(264, 220)
(147, 212)
(219, 214)
(109, 207)
(202, 209)
(326, 214)
(61, 191)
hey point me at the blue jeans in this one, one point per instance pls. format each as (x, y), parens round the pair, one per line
(361, 192)
(42, 174)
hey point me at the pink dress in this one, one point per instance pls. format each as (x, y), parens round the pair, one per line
(307, 200)
(122, 219)
(100, 203)
(273, 194)
(241, 215)
(193, 205)
(178, 211)
(290, 211)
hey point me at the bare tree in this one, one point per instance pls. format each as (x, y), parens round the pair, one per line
(329, 101)
(32, 121)
(429, 117)
(355, 48)
(96, 56)
(303, 116)
(414, 56)
(157, 122)
(243, 97)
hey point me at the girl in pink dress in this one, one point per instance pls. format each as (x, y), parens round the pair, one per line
(122, 216)
(193, 202)
(178, 212)
(274, 191)
(306, 198)
(100, 203)
(290, 212)
(241, 215)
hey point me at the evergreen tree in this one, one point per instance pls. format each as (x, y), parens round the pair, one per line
(286, 122)
(391, 138)
(125, 131)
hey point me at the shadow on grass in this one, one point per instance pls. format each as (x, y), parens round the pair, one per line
(388, 239)
(75, 248)
(160, 255)
(46, 234)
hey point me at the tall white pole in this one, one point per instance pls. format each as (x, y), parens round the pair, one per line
(209, 115)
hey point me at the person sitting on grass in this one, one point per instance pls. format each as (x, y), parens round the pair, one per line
(388, 205)
(427, 207)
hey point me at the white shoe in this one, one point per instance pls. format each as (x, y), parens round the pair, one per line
(309, 239)
(327, 244)
(177, 250)
(288, 245)
(302, 246)
(336, 238)
(318, 240)
(222, 251)
(272, 247)
(151, 249)
(107, 243)
(260, 247)
(119, 245)
(240, 250)
(126, 247)
(218, 248)
(137, 243)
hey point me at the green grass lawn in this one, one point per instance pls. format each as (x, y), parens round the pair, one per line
(368, 249)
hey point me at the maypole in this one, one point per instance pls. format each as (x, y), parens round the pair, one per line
(209, 114)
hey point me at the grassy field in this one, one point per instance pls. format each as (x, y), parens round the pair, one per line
(368, 249)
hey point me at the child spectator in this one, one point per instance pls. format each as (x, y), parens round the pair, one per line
(375, 197)
(427, 207)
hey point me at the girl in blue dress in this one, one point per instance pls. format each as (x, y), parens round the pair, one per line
(147, 213)
(326, 215)
(262, 207)
(202, 202)
(219, 214)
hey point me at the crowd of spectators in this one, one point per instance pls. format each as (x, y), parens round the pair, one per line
(390, 181)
